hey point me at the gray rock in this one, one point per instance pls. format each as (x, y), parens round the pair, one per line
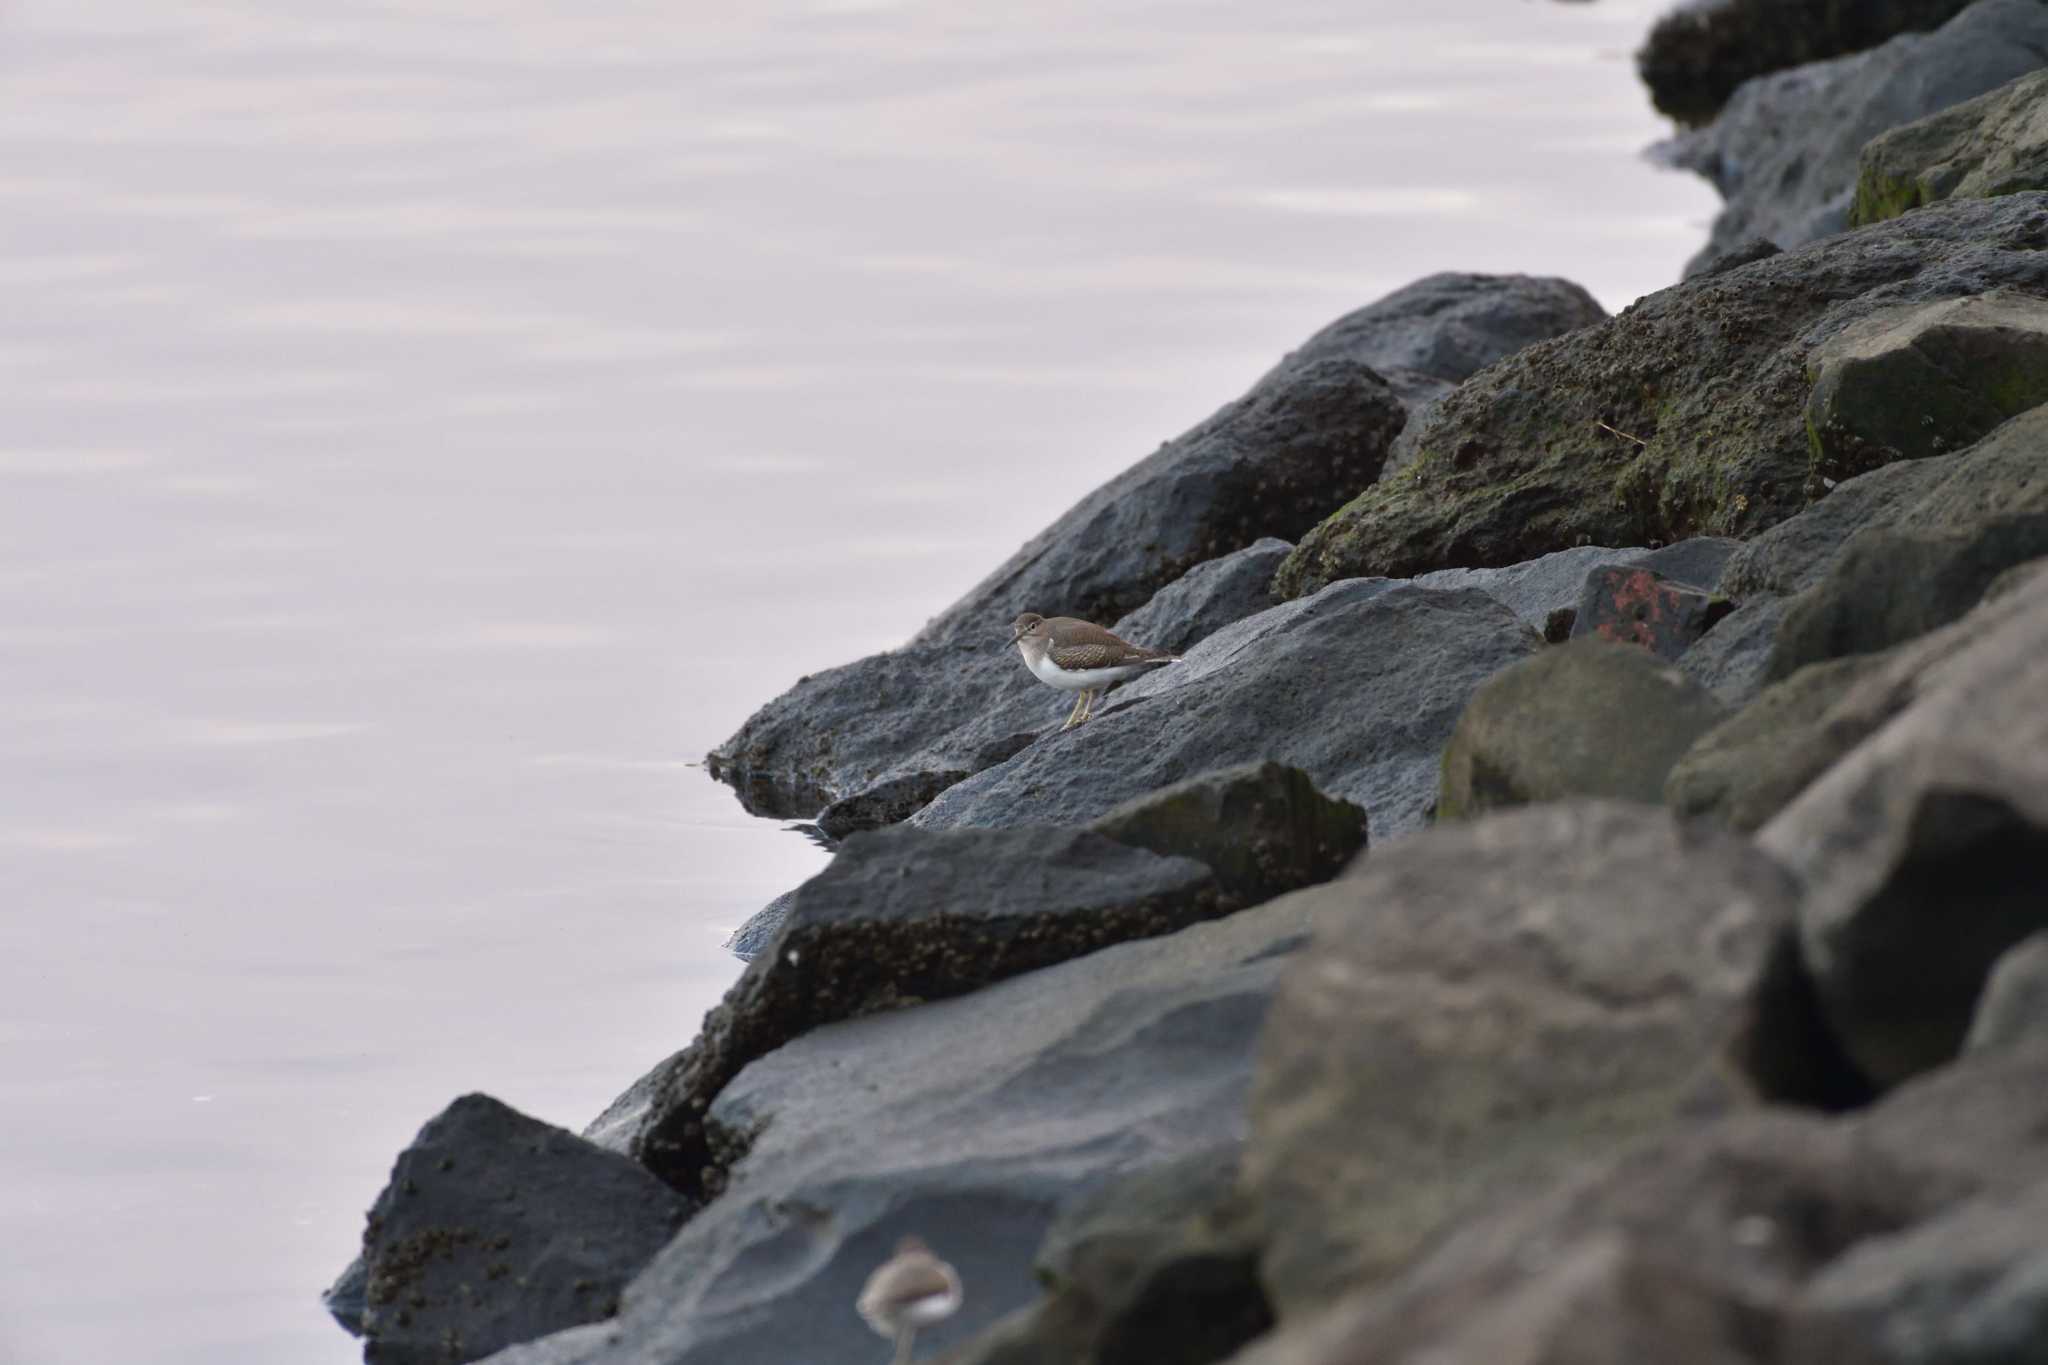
(1894, 584)
(1536, 588)
(1483, 1006)
(1922, 849)
(752, 938)
(497, 1228)
(1309, 435)
(345, 1298)
(970, 1122)
(1699, 561)
(2014, 1006)
(1262, 828)
(1358, 687)
(1587, 718)
(1698, 54)
(1998, 477)
(1698, 1248)
(1201, 601)
(1784, 151)
(1450, 326)
(1705, 384)
(1150, 1270)
(1730, 660)
(1968, 1288)
(900, 916)
(1750, 766)
(1992, 145)
(1925, 379)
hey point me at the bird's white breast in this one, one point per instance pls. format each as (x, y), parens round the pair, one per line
(1078, 679)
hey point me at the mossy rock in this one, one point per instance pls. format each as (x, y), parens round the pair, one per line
(1685, 415)
(1979, 149)
(1924, 379)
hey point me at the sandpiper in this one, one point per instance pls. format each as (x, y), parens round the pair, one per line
(911, 1289)
(1075, 656)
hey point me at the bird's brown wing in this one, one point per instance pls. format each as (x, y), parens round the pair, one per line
(1080, 644)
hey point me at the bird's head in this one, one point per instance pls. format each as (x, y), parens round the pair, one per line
(1029, 626)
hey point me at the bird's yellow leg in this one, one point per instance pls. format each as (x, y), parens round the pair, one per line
(1076, 716)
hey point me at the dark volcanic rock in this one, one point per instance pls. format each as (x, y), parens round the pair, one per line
(1785, 150)
(1262, 828)
(1774, 1236)
(1925, 379)
(1922, 850)
(1483, 1006)
(1358, 687)
(2014, 1006)
(1196, 605)
(970, 1122)
(1710, 375)
(900, 916)
(1894, 584)
(1587, 718)
(1699, 53)
(1992, 145)
(1643, 607)
(497, 1228)
(1534, 590)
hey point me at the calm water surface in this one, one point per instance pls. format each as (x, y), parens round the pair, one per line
(426, 426)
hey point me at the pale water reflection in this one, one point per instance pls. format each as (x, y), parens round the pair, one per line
(426, 426)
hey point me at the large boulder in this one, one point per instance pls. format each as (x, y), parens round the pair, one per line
(1877, 1238)
(1785, 150)
(890, 731)
(1588, 718)
(497, 1228)
(1484, 1005)
(1992, 145)
(897, 917)
(970, 1122)
(1922, 850)
(1925, 379)
(1262, 828)
(1684, 415)
(1702, 50)
(1358, 687)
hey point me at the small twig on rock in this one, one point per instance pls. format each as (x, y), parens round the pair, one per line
(1622, 434)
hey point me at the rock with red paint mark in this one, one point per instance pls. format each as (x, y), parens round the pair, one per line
(1639, 606)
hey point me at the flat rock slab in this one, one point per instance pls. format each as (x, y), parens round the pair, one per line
(1706, 382)
(972, 1123)
(1586, 718)
(1979, 149)
(1925, 379)
(1785, 150)
(1483, 1005)
(1358, 687)
(1877, 1237)
(897, 917)
(1922, 850)
(1639, 606)
(497, 1228)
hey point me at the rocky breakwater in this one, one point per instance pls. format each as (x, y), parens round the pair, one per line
(1686, 1006)
(1169, 551)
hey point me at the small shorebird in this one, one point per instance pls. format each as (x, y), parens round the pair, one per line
(1075, 656)
(911, 1289)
